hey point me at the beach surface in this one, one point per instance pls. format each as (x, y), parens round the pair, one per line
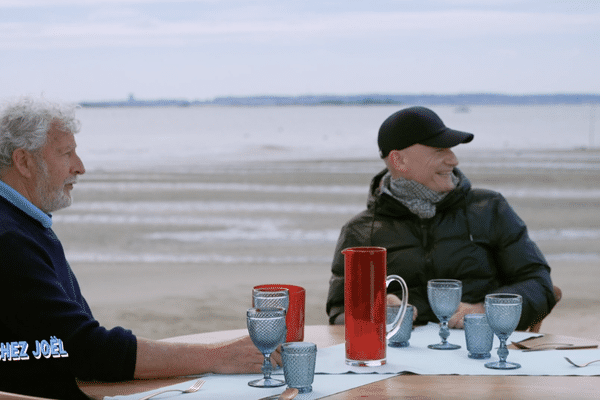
(174, 252)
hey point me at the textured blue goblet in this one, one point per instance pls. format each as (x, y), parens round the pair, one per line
(266, 327)
(444, 297)
(503, 313)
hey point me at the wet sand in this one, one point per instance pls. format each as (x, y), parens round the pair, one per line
(136, 272)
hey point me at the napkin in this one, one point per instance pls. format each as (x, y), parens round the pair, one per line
(539, 343)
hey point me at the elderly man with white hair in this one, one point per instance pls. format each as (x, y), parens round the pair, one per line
(48, 335)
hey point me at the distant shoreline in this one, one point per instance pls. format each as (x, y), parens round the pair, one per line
(461, 101)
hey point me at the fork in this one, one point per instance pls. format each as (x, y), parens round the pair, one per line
(581, 365)
(194, 388)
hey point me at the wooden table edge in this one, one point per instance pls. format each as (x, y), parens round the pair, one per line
(330, 335)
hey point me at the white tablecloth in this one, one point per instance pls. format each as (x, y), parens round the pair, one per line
(235, 387)
(334, 376)
(419, 359)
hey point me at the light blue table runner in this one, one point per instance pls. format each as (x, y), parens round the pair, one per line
(334, 376)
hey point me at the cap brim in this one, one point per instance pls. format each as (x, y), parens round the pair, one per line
(448, 138)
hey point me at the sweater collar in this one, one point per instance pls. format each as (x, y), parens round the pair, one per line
(19, 201)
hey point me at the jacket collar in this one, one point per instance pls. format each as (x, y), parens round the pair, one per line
(386, 204)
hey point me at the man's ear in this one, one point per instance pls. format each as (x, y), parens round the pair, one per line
(397, 160)
(24, 162)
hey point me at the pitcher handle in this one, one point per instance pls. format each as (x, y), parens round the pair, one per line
(392, 328)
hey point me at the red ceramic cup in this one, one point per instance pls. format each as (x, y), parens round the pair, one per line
(294, 319)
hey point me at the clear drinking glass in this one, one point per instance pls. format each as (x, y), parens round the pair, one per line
(444, 297)
(503, 313)
(265, 297)
(266, 327)
(294, 318)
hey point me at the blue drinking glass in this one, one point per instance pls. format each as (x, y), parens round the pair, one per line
(266, 327)
(400, 339)
(503, 313)
(266, 297)
(299, 359)
(444, 298)
(479, 336)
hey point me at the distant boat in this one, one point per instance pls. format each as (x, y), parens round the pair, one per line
(462, 109)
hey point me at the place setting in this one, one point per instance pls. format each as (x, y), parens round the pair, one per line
(481, 348)
(277, 319)
(394, 346)
(382, 340)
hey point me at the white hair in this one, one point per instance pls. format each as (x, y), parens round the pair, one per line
(25, 122)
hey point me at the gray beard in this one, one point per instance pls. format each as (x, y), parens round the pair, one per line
(50, 201)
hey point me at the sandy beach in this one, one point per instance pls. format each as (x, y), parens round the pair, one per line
(147, 260)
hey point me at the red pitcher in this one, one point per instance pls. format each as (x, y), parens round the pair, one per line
(365, 290)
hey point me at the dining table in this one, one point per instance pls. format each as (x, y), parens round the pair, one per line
(441, 382)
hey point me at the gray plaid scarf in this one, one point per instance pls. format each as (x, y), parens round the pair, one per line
(418, 198)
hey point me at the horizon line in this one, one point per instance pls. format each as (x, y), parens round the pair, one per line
(132, 97)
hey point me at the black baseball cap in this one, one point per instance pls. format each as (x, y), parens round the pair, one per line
(417, 125)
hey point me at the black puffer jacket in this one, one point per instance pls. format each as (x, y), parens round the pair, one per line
(475, 237)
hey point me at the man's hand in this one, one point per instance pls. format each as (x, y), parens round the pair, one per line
(393, 300)
(159, 359)
(458, 319)
(242, 356)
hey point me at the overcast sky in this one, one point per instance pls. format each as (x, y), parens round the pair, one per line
(77, 50)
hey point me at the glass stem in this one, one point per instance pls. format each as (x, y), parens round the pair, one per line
(266, 367)
(444, 332)
(502, 351)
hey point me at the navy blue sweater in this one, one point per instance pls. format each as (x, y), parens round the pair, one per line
(48, 335)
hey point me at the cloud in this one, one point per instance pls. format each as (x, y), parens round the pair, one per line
(127, 27)
(273, 46)
(79, 3)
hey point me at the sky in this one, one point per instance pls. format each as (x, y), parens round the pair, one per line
(90, 50)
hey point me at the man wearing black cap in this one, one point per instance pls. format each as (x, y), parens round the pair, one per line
(422, 209)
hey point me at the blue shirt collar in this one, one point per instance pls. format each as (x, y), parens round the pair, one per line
(18, 200)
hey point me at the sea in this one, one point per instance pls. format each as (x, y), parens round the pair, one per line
(176, 137)
(133, 142)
